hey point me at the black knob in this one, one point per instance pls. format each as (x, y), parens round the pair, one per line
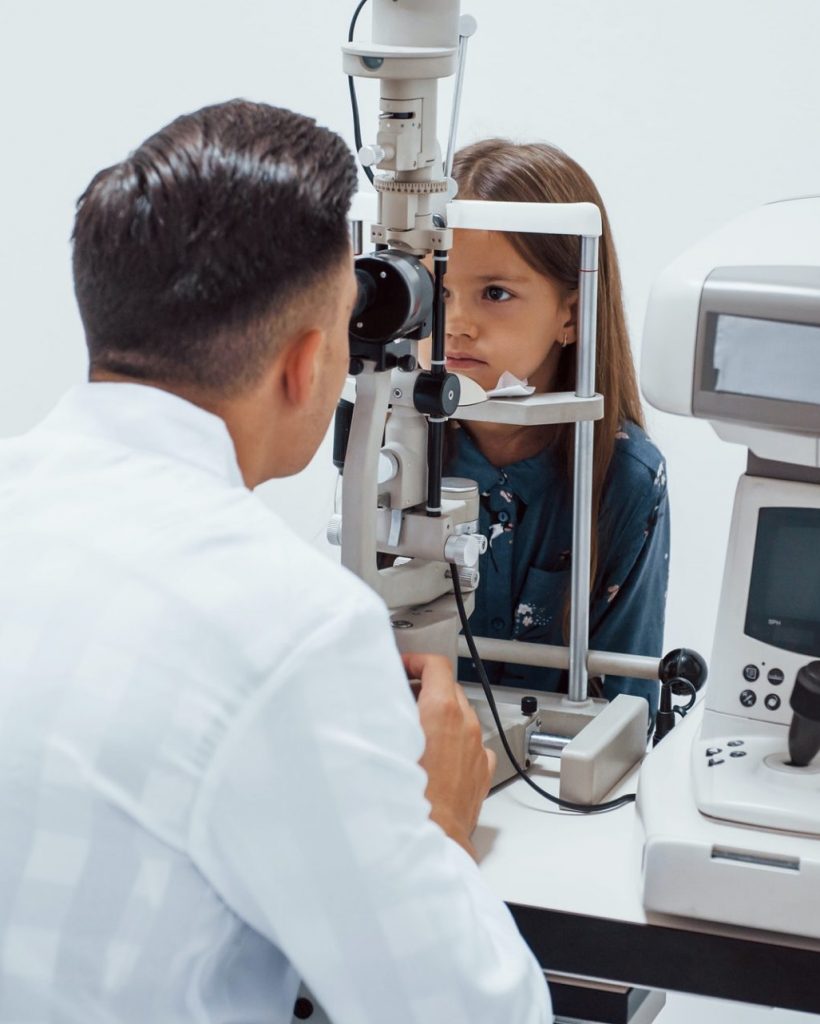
(303, 1009)
(529, 705)
(683, 664)
(804, 731)
(436, 394)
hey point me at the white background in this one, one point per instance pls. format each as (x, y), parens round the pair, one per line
(685, 114)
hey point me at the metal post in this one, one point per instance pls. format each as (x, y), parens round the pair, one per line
(466, 28)
(356, 237)
(582, 488)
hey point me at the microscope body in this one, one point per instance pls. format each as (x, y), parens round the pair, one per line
(395, 505)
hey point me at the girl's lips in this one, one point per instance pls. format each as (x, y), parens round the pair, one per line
(464, 362)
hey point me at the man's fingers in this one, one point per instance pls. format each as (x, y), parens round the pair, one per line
(419, 666)
(492, 760)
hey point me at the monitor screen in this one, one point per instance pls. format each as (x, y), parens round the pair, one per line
(766, 358)
(784, 594)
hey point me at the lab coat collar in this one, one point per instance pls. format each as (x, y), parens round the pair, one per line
(147, 418)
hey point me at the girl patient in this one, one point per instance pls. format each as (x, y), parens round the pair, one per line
(511, 305)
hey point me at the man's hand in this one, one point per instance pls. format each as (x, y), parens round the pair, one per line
(459, 768)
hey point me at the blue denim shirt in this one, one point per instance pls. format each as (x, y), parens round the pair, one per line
(526, 514)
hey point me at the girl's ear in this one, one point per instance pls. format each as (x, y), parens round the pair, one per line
(569, 313)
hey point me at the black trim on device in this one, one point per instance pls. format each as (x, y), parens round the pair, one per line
(761, 972)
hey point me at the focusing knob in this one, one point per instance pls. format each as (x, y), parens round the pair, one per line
(436, 394)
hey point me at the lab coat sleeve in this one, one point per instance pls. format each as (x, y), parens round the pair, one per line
(313, 827)
(628, 613)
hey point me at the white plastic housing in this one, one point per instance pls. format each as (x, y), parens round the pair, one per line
(733, 650)
(416, 22)
(784, 233)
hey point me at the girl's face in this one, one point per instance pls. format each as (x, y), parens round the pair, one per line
(502, 314)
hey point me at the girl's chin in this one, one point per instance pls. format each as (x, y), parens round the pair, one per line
(480, 373)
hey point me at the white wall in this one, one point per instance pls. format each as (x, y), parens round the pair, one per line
(685, 114)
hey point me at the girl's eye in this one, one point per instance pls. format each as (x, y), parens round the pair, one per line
(495, 293)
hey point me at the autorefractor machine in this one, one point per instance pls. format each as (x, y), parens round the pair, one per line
(732, 813)
(390, 424)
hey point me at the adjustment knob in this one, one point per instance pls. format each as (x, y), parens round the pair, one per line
(375, 154)
(334, 531)
(465, 549)
(468, 577)
(436, 394)
(529, 705)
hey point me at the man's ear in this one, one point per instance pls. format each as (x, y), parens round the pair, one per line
(300, 366)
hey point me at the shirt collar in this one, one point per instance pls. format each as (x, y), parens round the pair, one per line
(524, 478)
(148, 419)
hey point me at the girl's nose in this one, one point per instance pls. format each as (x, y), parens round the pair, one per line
(459, 322)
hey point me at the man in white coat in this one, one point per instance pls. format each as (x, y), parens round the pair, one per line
(214, 779)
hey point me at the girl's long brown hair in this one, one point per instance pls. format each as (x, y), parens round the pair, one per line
(503, 171)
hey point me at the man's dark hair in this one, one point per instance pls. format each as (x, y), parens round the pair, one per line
(189, 254)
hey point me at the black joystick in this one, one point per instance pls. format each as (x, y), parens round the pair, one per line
(804, 732)
(681, 672)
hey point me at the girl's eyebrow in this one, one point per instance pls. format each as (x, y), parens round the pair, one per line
(501, 277)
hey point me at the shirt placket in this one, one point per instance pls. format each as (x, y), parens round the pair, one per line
(502, 508)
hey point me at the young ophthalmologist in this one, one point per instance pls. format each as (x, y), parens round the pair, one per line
(210, 784)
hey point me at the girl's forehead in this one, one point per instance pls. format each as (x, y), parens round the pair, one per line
(488, 254)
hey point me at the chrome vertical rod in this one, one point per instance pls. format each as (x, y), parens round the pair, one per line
(582, 486)
(466, 28)
(356, 237)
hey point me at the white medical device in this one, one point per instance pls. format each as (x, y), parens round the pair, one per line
(732, 336)
(393, 501)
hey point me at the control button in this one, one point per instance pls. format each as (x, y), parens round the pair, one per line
(748, 698)
(715, 760)
(775, 676)
(772, 701)
(711, 751)
(498, 623)
(751, 673)
(735, 743)
(738, 753)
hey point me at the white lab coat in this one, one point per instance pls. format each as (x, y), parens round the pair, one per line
(209, 785)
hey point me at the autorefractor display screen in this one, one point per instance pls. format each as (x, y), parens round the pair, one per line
(784, 594)
(766, 359)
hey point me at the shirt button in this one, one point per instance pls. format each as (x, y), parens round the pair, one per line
(498, 623)
(503, 517)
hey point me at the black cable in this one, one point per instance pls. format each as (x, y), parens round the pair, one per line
(568, 805)
(354, 103)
